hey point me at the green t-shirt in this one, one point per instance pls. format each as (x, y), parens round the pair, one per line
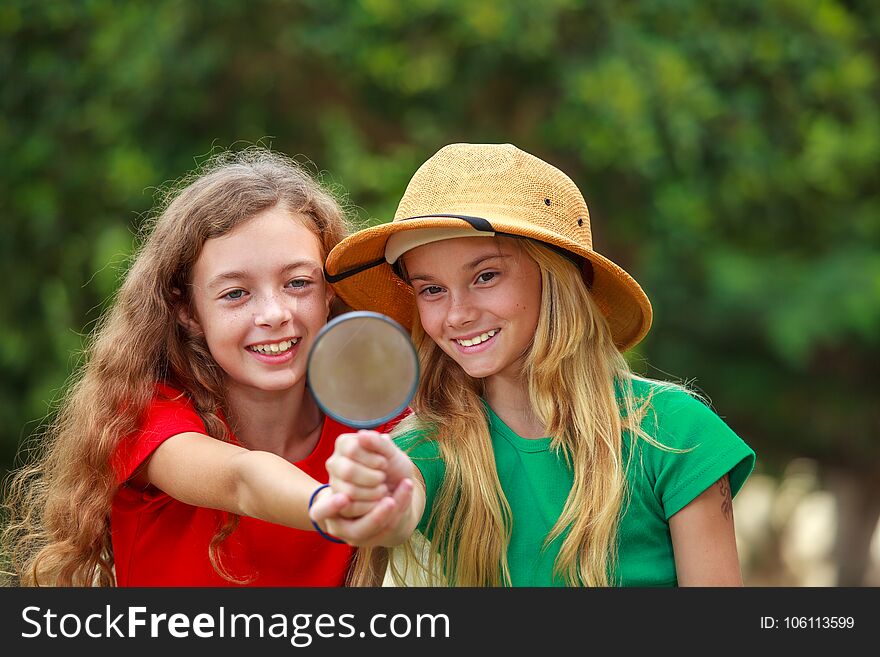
(536, 484)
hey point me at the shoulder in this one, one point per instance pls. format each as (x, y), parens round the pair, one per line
(170, 396)
(661, 394)
(689, 446)
(173, 408)
(672, 412)
(168, 413)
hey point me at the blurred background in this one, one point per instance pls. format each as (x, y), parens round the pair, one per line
(728, 150)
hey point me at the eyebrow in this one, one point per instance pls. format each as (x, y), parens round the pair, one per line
(237, 275)
(473, 264)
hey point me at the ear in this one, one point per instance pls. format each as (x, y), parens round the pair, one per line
(185, 317)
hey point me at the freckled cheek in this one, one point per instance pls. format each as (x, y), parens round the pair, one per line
(211, 316)
(234, 322)
(432, 322)
(223, 330)
(310, 308)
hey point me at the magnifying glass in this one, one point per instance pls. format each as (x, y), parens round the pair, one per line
(363, 369)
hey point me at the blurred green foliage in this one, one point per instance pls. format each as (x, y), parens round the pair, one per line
(728, 150)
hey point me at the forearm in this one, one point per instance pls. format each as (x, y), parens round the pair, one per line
(272, 489)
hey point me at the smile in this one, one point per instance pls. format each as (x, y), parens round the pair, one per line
(478, 339)
(274, 347)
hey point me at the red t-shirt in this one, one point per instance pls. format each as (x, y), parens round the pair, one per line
(160, 541)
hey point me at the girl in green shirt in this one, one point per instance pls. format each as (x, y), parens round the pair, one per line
(534, 456)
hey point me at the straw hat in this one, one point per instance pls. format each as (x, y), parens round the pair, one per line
(484, 190)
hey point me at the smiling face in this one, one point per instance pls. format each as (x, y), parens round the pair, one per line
(260, 298)
(479, 299)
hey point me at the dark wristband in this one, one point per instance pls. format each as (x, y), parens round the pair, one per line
(332, 539)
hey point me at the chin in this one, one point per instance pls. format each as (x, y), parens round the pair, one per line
(277, 385)
(480, 372)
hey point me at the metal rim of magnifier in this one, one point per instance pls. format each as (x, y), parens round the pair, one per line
(360, 424)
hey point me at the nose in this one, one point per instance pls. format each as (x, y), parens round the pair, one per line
(461, 311)
(273, 311)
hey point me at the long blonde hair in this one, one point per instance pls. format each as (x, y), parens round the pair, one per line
(580, 388)
(59, 506)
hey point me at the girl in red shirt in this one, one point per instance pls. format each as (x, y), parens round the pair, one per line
(188, 447)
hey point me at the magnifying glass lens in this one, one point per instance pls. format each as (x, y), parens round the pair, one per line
(363, 369)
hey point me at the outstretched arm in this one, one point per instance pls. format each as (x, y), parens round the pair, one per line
(199, 470)
(704, 540)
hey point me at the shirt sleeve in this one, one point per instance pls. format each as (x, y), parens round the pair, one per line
(425, 454)
(696, 449)
(169, 413)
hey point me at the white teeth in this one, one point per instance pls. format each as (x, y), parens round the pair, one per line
(274, 348)
(478, 339)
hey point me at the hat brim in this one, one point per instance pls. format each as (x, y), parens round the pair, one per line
(360, 275)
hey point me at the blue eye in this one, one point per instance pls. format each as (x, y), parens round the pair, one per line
(234, 294)
(298, 283)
